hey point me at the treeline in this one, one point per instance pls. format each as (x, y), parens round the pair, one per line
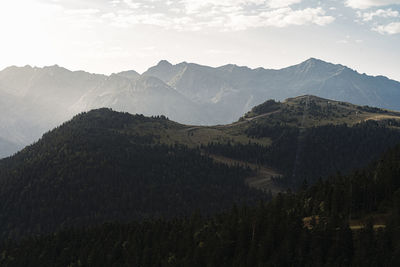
(266, 107)
(375, 189)
(91, 170)
(316, 152)
(270, 234)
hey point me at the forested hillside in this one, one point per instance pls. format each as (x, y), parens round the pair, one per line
(315, 227)
(93, 169)
(313, 153)
(105, 166)
(311, 138)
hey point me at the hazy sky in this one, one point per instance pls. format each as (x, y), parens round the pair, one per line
(105, 36)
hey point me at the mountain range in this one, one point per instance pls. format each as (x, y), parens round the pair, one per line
(34, 100)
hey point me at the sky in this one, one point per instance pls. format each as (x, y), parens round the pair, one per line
(106, 36)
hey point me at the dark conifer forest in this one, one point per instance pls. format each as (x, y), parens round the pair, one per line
(315, 152)
(104, 190)
(314, 227)
(88, 171)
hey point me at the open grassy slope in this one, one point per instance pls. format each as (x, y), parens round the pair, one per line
(295, 130)
(302, 112)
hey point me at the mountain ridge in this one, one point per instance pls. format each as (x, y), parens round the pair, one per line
(319, 78)
(189, 93)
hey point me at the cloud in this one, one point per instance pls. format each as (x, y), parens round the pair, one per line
(364, 4)
(132, 4)
(196, 6)
(391, 28)
(286, 16)
(282, 17)
(223, 15)
(114, 2)
(349, 40)
(282, 3)
(384, 13)
(87, 11)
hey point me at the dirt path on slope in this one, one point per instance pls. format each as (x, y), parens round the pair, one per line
(246, 120)
(382, 117)
(262, 179)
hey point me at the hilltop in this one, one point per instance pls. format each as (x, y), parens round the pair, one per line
(310, 111)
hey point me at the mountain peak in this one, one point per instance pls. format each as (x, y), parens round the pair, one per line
(129, 74)
(164, 63)
(317, 68)
(55, 66)
(232, 67)
(55, 69)
(314, 61)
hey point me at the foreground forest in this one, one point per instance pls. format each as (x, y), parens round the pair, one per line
(314, 227)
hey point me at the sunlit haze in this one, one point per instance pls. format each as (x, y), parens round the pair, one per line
(106, 36)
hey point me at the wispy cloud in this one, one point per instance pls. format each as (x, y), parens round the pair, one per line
(282, 3)
(281, 17)
(391, 28)
(381, 20)
(86, 11)
(383, 13)
(132, 4)
(223, 15)
(349, 40)
(364, 4)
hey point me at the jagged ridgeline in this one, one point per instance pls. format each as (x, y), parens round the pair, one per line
(346, 221)
(108, 166)
(34, 100)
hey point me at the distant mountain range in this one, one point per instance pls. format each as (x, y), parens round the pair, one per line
(34, 100)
